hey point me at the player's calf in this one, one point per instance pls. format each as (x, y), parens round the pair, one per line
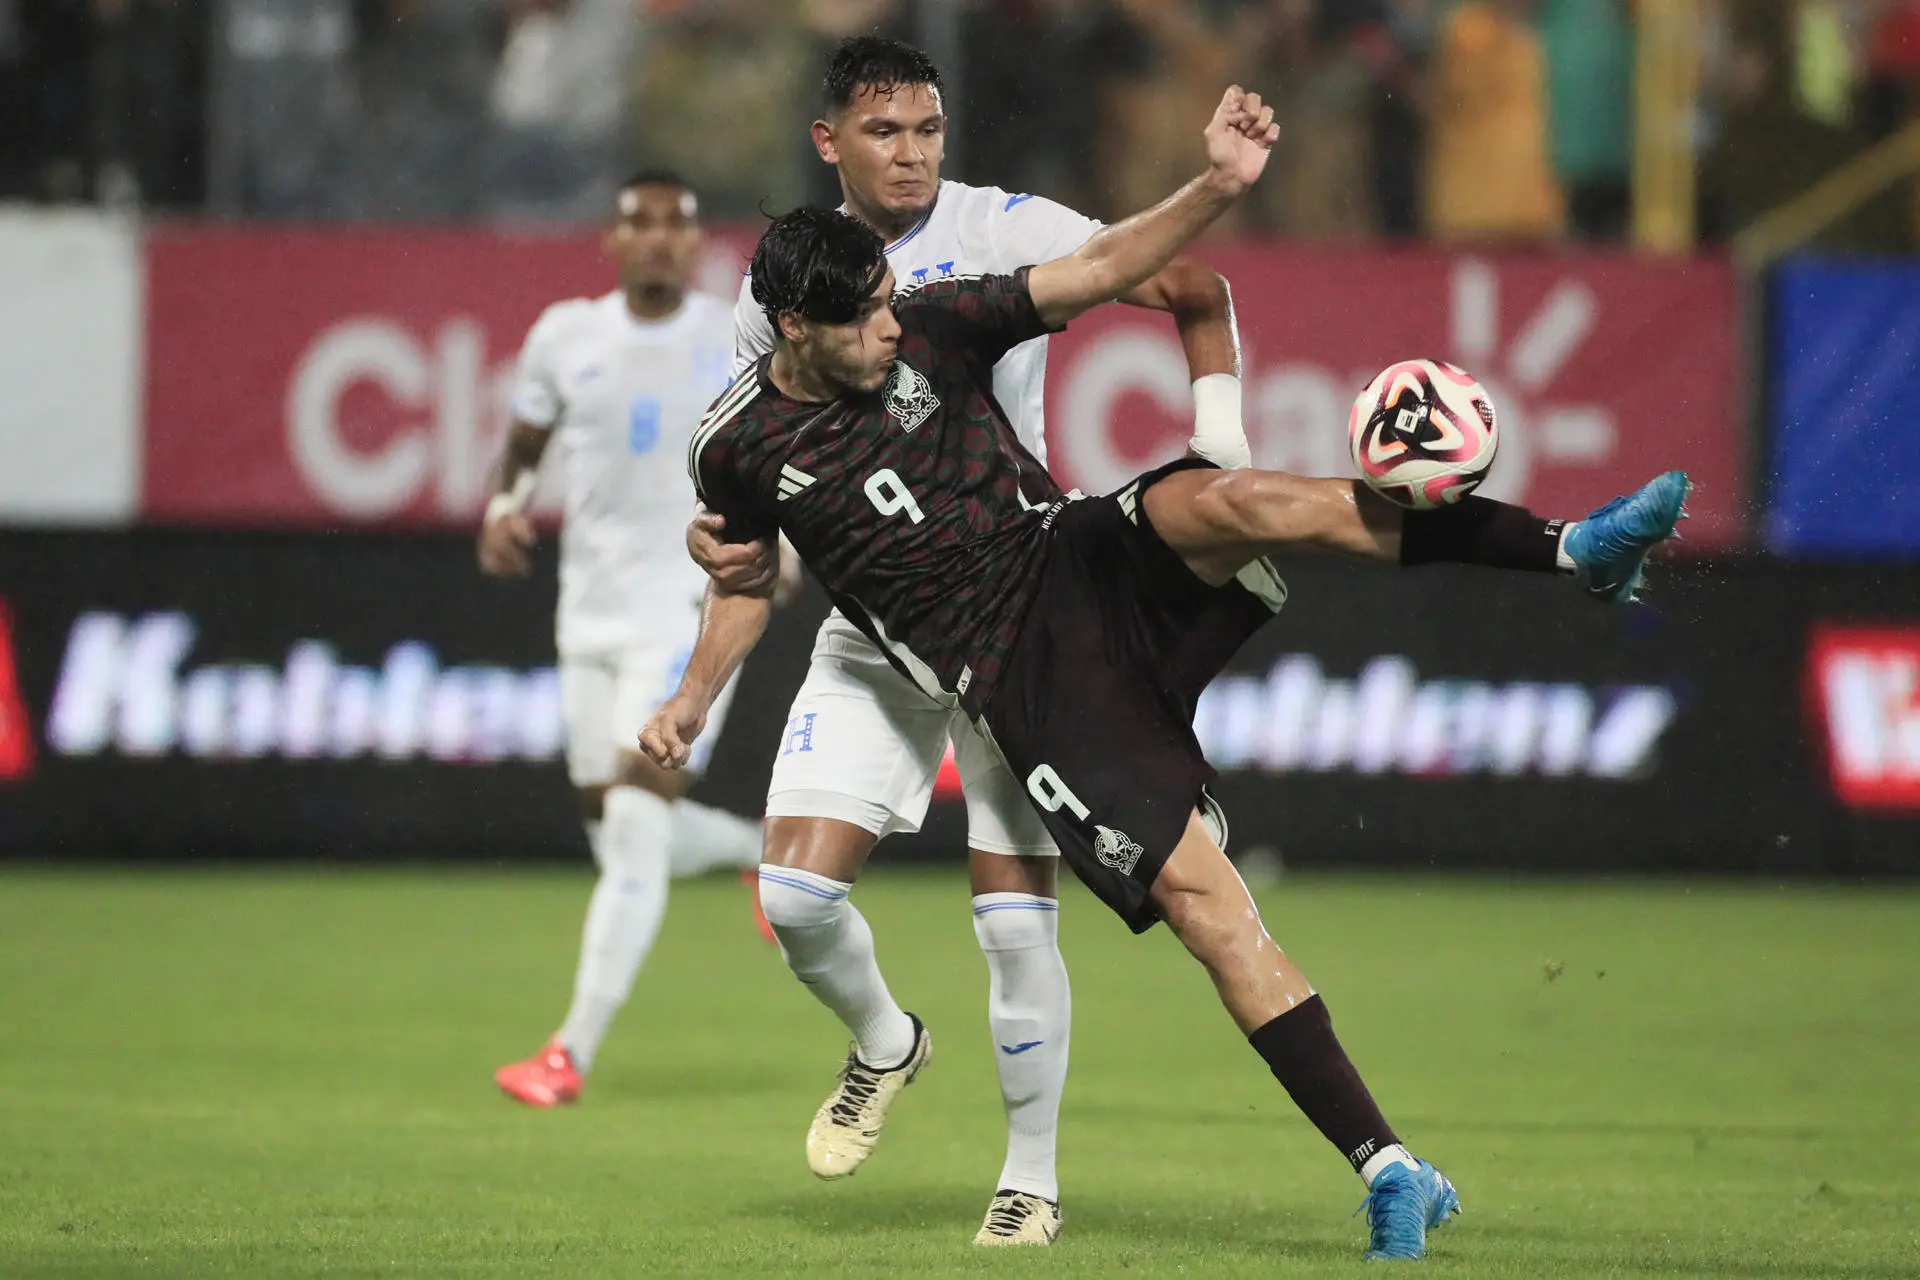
(1208, 907)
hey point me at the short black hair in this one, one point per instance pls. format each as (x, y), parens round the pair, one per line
(657, 177)
(818, 264)
(878, 63)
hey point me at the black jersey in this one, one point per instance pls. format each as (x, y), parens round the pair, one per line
(916, 506)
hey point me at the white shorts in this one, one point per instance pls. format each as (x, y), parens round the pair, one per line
(607, 698)
(863, 744)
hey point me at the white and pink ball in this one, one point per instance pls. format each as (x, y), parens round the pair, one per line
(1423, 434)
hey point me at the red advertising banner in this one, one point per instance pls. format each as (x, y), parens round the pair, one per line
(342, 377)
(1864, 691)
(360, 377)
(1605, 369)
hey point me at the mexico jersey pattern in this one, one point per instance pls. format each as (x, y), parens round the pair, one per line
(915, 507)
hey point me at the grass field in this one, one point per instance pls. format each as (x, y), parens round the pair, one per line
(288, 1075)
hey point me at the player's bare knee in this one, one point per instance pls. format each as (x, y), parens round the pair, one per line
(1013, 873)
(823, 846)
(592, 801)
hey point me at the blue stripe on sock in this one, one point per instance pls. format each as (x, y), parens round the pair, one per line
(831, 895)
(1016, 906)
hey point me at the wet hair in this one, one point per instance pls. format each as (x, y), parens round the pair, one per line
(876, 63)
(656, 177)
(818, 264)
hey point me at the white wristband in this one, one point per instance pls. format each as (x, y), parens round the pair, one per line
(1218, 435)
(512, 502)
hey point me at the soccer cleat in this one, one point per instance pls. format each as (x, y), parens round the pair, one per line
(847, 1126)
(751, 878)
(547, 1079)
(1403, 1206)
(1018, 1217)
(1609, 548)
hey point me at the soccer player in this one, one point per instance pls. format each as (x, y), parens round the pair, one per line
(863, 743)
(1078, 632)
(621, 381)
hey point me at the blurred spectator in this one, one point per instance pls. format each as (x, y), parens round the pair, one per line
(558, 102)
(1590, 55)
(55, 39)
(1894, 59)
(1487, 175)
(1299, 55)
(1031, 71)
(284, 108)
(147, 86)
(422, 69)
(1165, 64)
(1770, 148)
(725, 92)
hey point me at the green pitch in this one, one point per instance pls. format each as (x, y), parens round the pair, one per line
(288, 1075)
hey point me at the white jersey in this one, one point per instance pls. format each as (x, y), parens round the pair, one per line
(969, 231)
(624, 396)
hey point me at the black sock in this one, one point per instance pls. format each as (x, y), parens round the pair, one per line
(1479, 530)
(1300, 1047)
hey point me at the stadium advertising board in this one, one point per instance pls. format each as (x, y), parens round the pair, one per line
(1864, 694)
(171, 694)
(359, 378)
(1845, 373)
(261, 695)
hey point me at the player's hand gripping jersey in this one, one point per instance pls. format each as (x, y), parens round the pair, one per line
(916, 507)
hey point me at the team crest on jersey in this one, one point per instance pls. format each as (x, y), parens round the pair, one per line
(1116, 849)
(910, 397)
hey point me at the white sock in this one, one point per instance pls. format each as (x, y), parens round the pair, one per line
(830, 948)
(1378, 1162)
(704, 838)
(623, 916)
(1561, 560)
(1030, 1010)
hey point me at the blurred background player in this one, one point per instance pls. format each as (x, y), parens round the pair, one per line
(864, 744)
(621, 380)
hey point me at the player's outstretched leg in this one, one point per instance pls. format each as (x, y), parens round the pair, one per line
(1609, 548)
(1220, 520)
(1210, 911)
(829, 947)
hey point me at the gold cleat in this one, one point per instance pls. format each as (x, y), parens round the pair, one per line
(1016, 1217)
(847, 1126)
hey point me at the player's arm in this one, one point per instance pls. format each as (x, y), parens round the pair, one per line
(1125, 255)
(1201, 305)
(731, 624)
(506, 534)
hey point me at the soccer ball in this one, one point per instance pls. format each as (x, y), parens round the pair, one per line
(1423, 434)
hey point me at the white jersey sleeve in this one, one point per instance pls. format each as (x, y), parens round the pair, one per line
(536, 380)
(1027, 230)
(752, 335)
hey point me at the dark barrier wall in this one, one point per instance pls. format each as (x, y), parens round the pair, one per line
(202, 695)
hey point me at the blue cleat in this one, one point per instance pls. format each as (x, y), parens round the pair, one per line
(1403, 1206)
(1609, 548)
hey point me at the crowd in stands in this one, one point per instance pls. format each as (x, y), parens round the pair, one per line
(1481, 120)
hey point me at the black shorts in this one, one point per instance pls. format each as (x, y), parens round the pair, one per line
(1094, 707)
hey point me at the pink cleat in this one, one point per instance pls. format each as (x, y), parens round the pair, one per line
(547, 1079)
